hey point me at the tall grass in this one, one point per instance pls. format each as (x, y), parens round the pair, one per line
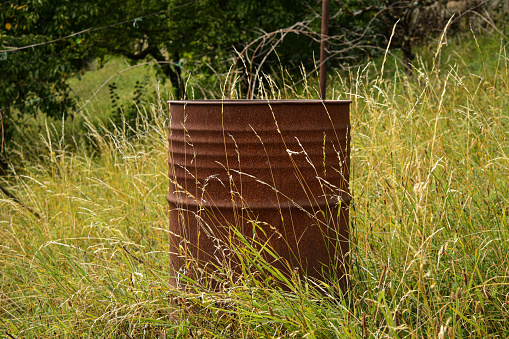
(428, 221)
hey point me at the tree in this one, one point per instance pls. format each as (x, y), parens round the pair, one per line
(407, 23)
(44, 43)
(176, 31)
(40, 51)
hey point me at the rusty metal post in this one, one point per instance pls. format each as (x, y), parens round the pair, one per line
(323, 48)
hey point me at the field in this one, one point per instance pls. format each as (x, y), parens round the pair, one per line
(86, 255)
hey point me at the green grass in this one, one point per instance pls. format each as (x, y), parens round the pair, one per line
(429, 222)
(95, 96)
(106, 94)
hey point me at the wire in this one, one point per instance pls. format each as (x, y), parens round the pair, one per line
(91, 29)
(28, 102)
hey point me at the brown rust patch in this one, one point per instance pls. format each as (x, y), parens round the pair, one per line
(283, 164)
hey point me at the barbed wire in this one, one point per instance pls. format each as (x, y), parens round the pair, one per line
(92, 29)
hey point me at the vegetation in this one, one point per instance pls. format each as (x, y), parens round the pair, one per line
(46, 44)
(86, 253)
(35, 72)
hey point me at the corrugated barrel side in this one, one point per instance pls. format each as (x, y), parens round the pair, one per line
(283, 164)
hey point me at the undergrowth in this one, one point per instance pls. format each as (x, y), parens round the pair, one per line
(87, 254)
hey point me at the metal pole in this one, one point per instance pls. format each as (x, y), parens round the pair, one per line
(323, 47)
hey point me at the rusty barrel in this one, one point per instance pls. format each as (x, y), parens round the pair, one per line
(261, 174)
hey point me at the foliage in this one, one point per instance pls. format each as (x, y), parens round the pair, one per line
(196, 36)
(195, 43)
(35, 78)
(42, 47)
(369, 26)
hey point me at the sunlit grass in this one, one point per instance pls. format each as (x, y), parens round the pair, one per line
(93, 91)
(428, 219)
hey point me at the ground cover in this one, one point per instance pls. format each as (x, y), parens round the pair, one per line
(429, 225)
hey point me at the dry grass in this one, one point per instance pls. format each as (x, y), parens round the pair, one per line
(429, 226)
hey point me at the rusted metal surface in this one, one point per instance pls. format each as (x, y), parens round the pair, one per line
(283, 164)
(323, 48)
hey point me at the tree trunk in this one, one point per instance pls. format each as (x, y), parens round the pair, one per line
(173, 73)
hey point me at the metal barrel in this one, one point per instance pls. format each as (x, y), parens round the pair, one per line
(272, 171)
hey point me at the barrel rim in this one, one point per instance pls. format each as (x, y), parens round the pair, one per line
(244, 102)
